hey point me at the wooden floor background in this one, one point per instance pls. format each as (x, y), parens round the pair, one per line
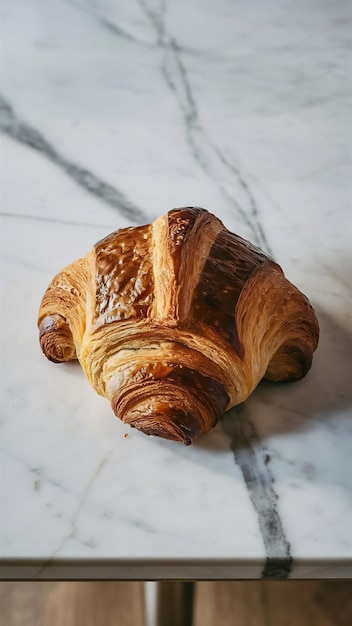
(249, 603)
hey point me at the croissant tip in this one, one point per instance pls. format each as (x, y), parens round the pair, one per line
(175, 426)
(56, 340)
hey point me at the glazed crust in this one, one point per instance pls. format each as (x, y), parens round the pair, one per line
(177, 321)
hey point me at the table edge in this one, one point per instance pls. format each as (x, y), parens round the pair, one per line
(174, 569)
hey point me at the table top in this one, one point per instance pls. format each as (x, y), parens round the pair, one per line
(112, 114)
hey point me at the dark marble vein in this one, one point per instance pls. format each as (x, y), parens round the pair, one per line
(52, 220)
(117, 30)
(245, 443)
(73, 522)
(12, 126)
(253, 461)
(114, 28)
(207, 154)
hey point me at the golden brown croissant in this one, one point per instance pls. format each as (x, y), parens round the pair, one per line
(177, 321)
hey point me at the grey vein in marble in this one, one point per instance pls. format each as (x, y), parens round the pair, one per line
(37, 472)
(75, 514)
(244, 440)
(249, 455)
(12, 126)
(52, 220)
(113, 28)
(208, 155)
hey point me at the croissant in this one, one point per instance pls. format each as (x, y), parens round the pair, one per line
(177, 321)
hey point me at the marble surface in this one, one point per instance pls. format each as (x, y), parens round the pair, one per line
(113, 113)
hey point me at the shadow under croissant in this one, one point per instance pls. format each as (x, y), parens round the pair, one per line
(288, 407)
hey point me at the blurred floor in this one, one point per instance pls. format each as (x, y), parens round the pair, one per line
(248, 603)
(271, 603)
(71, 604)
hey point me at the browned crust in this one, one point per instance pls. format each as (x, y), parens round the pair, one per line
(230, 262)
(123, 275)
(191, 233)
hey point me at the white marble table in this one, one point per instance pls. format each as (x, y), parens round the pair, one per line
(113, 113)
